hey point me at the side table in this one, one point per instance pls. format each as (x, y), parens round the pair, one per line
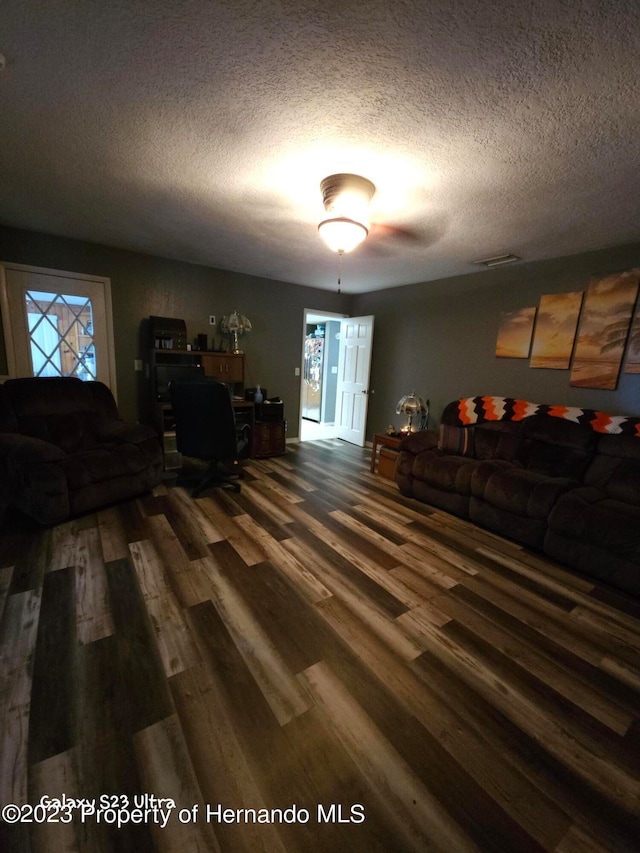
(383, 439)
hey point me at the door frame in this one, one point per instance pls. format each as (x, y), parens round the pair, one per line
(11, 340)
(311, 315)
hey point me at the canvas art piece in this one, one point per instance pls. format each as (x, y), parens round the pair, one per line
(603, 330)
(555, 333)
(514, 334)
(632, 364)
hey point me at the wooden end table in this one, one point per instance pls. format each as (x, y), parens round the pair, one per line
(383, 439)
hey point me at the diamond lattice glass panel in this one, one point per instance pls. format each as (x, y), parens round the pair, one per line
(61, 334)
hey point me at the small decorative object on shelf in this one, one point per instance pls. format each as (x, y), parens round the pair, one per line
(412, 405)
(259, 397)
(168, 333)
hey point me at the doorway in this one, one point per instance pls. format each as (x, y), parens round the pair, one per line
(320, 343)
(336, 365)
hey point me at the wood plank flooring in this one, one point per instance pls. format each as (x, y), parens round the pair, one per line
(340, 668)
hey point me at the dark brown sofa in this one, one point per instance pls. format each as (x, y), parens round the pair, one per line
(65, 451)
(560, 480)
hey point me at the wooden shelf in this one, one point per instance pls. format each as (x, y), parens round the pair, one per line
(225, 366)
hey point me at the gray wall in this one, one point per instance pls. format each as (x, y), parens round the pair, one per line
(438, 338)
(143, 285)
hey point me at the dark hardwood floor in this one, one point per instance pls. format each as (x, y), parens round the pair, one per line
(388, 677)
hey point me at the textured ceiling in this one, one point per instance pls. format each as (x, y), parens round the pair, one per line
(200, 130)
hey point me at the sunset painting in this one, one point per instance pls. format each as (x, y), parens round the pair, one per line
(603, 331)
(632, 364)
(556, 326)
(514, 334)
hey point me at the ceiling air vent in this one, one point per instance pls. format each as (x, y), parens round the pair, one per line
(498, 260)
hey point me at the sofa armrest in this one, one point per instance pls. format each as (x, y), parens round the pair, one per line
(416, 442)
(124, 432)
(15, 449)
(32, 478)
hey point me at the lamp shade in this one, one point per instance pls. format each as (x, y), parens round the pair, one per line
(346, 200)
(412, 405)
(235, 324)
(342, 234)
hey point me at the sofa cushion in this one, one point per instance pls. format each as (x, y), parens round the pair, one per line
(497, 440)
(556, 447)
(456, 440)
(449, 473)
(54, 409)
(8, 420)
(416, 442)
(122, 432)
(615, 469)
(484, 471)
(412, 447)
(624, 484)
(102, 401)
(70, 432)
(102, 463)
(588, 515)
(519, 528)
(517, 490)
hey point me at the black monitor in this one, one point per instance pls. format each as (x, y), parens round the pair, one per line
(166, 373)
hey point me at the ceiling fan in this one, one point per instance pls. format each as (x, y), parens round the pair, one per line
(346, 198)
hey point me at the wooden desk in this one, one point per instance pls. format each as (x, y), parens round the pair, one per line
(382, 439)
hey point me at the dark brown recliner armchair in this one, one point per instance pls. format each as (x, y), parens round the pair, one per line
(65, 451)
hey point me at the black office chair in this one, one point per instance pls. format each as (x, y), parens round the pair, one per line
(206, 429)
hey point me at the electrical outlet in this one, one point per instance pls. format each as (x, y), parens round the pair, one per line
(212, 319)
(296, 372)
(137, 365)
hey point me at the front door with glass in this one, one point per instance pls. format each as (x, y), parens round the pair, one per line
(61, 334)
(57, 324)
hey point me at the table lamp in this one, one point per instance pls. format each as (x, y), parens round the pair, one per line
(412, 405)
(235, 324)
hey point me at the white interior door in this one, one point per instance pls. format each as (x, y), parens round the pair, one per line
(354, 370)
(57, 324)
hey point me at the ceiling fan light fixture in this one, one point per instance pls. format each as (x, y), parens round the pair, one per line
(346, 199)
(342, 234)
